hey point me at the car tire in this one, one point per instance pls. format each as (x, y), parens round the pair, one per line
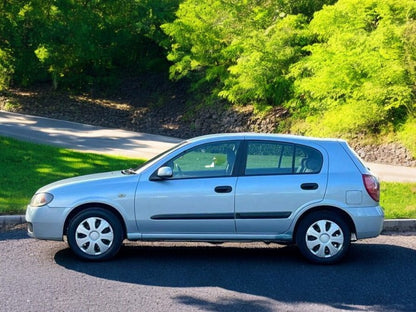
(323, 237)
(95, 234)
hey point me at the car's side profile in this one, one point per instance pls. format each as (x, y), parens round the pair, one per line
(315, 193)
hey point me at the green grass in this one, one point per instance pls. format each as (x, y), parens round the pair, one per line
(398, 200)
(25, 167)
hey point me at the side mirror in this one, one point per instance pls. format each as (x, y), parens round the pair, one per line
(164, 172)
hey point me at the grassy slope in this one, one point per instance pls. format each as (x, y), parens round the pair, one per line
(25, 167)
(398, 200)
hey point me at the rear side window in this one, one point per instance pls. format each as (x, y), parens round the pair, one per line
(266, 158)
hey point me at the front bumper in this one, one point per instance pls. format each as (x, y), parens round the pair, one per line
(368, 221)
(45, 222)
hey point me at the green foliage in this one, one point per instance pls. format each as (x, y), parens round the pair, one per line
(82, 43)
(246, 50)
(358, 77)
(6, 68)
(407, 135)
(260, 72)
(398, 200)
(341, 67)
(26, 167)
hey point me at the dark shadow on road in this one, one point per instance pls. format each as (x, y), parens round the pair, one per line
(14, 234)
(226, 304)
(379, 276)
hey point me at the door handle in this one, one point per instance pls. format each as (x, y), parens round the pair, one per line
(223, 189)
(309, 186)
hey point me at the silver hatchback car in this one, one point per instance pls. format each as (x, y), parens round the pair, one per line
(315, 193)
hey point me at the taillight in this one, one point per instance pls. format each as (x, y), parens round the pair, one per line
(372, 186)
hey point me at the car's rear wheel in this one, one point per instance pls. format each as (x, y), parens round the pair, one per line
(95, 234)
(323, 237)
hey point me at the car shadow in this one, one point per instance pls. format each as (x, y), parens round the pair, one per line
(380, 276)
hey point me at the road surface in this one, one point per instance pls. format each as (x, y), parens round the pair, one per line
(377, 275)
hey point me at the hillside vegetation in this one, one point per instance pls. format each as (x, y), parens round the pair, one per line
(342, 68)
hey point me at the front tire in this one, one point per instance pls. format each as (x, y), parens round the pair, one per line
(95, 234)
(323, 237)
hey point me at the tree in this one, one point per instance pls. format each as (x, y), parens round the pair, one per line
(79, 43)
(358, 76)
(245, 51)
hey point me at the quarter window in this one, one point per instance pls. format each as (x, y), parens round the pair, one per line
(307, 160)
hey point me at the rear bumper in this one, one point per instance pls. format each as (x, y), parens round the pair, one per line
(368, 221)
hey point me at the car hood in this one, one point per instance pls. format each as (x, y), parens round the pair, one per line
(85, 179)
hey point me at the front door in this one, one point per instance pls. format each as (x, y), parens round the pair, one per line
(197, 201)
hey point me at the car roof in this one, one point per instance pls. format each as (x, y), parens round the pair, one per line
(262, 136)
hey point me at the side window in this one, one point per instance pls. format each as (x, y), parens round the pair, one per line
(266, 158)
(269, 158)
(207, 160)
(307, 160)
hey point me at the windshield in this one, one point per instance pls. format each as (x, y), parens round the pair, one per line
(157, 157)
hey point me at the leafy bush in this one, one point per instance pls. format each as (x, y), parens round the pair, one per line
(358, 76)
(6, 69)
(82, 43)
(407, 135)
(246, 50)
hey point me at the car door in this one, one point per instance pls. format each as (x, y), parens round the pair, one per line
(198, 200)
(277, 179)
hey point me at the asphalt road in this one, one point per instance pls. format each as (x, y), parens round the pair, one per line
(126, 143)
(377, 275)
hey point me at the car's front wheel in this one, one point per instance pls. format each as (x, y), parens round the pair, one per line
(323, 237)
(95, 234)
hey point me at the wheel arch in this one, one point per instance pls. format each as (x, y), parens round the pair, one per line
(109, 208)
(332, 209)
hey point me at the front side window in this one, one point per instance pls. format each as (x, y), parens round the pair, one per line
(265, 158)
(207, 160)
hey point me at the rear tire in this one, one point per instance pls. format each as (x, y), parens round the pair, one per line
(323, 237)
(95, 234)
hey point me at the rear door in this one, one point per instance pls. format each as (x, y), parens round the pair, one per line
(277, 179)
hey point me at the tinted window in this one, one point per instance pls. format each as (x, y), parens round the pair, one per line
(307, 160)
(207, 160)
(269, 158)
(281, 158)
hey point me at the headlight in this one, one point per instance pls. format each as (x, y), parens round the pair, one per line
(41, 199)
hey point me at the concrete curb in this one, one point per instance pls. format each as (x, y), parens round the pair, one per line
(7, 222)
(390, 225)
(399, 225)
